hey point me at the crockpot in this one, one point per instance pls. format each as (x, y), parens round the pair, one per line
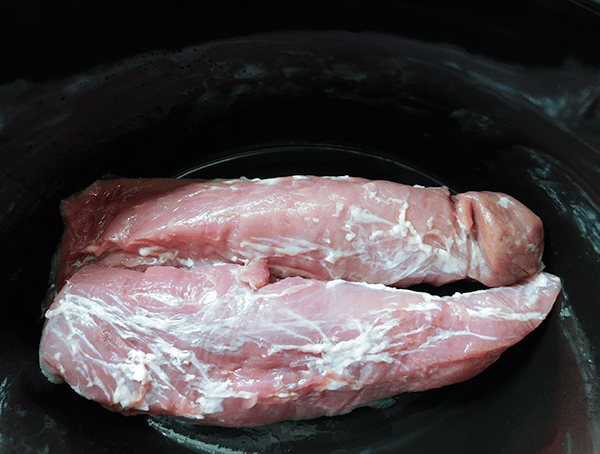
(502, 97)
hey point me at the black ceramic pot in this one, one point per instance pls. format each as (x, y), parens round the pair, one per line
(503, 98)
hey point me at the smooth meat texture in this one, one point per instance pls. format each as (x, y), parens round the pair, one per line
(88, 214)
(201, 344)
(319, 227)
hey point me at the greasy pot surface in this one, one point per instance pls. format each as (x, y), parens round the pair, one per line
(429, 105)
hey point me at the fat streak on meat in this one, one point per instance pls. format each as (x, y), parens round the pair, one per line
(201, 344)
(318, 227)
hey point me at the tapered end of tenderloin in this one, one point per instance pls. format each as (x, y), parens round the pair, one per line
(507, 233)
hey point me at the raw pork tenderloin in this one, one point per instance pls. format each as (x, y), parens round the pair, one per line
(319, 227)
(232, 302)
(200, 344)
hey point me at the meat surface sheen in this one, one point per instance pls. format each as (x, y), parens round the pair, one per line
(318, 227)
(200, 344)
(88, 214)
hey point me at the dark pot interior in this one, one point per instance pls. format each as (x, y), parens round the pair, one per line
(505, 100)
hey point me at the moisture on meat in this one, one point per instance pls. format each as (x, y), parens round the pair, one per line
(317, 227)
(201, 344)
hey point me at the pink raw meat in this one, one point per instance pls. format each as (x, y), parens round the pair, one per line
(199, 344)
(88, 214)
(319, 227)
